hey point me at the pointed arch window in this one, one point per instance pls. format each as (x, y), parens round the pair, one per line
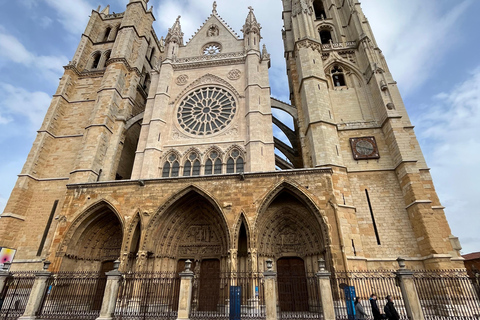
(96, 60)
(235, 162)
(192, 165)
(213, 165)
(338, 77)
(325, 36)
(107, 34)
(171, 167)
(319, 10)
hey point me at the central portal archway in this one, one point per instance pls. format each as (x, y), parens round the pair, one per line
(194, 228)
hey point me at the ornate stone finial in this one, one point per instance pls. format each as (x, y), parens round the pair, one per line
(116, 265)
(401, 263)
(265, 54)
(214, 7)
(175, 33)
(251, 24)
(46, 265)
(269, 264)
(188, 265)
(321, 264)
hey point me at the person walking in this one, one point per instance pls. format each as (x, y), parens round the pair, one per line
(390, 310)
(360, 313)
(375, 311)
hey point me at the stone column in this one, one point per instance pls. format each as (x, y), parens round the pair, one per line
(111, 293)
(325, 290)
(4, 274)
(38, 292)
(185, 295)
(409, 292)
(270, 291)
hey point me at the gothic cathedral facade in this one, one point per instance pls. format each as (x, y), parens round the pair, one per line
(154, 151)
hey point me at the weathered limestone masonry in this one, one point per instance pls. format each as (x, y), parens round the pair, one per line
(158, 151)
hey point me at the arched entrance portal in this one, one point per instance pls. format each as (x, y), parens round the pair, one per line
(290, 234)
(192, 228)
(95, 243)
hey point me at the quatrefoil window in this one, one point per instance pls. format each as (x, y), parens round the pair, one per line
(211, 49)
(206, 111)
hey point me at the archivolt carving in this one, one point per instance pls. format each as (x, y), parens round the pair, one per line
(164, 213)
(302, 196)
(92, 209)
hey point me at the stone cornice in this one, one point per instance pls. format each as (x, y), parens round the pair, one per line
(221, 59)
(245, 176)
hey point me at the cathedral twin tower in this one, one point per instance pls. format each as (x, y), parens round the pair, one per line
(154, 151)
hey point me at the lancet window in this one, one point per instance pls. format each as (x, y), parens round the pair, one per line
(325, 36)
(171, 167)
(338, 77)
(213, 165)
(192, 165)
(96, 60)
(235, 162)
(319, 10)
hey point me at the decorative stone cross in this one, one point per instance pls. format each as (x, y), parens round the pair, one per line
(250, 8)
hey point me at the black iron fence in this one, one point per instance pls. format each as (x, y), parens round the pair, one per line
(73, 295)
(299, 297)
(448, 294)
(231, 296)
(148, 295)
(16, 292)
(346, 286)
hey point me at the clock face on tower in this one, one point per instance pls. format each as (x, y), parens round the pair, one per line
(206, 111)
(364, 148)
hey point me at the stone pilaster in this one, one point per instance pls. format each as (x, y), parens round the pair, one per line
(270, 292)
(36, 296)
(325, 291)
(409, 292)
(185, 295)
(111, 293)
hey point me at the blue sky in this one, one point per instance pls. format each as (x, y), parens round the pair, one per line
(431, 47)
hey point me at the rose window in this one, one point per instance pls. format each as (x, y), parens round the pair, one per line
(206, 111)
(211, 49)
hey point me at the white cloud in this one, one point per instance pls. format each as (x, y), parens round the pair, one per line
(50, 67)
(427, 35)
(73, 15)
(449, 128)
(18, 102)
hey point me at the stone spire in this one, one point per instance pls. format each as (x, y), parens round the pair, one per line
(175, 33)
(251, 24)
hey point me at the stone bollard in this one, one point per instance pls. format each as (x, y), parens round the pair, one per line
(185, 295)
(111, 293)
(38, 292)
(270, 288)
(4, 275)
(325, 289)
(409, 292)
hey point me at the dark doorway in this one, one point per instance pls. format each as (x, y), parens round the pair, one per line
(209, 290)
(101, 284)
(292, 285)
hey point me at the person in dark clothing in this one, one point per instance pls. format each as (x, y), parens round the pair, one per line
(375, 311)
(390, 310)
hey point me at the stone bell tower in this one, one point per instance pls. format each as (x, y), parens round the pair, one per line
(85, 136)
(351, 117)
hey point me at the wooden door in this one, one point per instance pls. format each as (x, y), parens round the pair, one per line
(209, 289)
(292, 285)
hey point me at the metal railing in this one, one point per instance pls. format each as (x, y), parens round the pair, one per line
(299, 297)
(148, 295)
(448, 294)
(73, 295)
(16, 292)
(346, 286)
(231, 296)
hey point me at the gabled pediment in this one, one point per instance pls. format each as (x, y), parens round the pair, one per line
(214, 31)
